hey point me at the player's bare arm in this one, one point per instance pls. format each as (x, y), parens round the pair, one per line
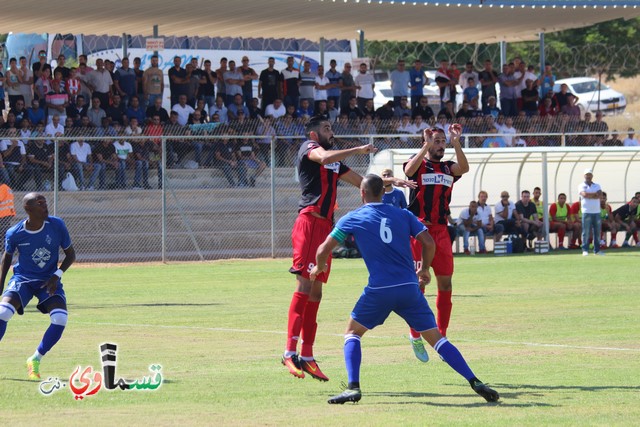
(69, 257)
(428, 251)
(7, 258)
(462, 166)
(322, 255)
(414, 163)
(326, 157)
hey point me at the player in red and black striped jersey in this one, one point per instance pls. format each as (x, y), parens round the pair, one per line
(430, 202)
(319, 169)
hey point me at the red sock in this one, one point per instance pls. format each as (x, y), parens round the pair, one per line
(561, 232)
(415, 334)
(443, 304)
(635, 236)
(296, 310)
(309, 327)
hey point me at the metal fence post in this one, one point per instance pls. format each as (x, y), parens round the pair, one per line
(163, 192)
(56, 177)
(273, 196)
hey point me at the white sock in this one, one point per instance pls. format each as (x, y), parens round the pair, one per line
(37, 355)
(289, 354)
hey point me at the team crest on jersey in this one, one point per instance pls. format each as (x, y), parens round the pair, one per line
(335, 167)
(437, 179)
(446, 169)
(48, 239)
(41, 256)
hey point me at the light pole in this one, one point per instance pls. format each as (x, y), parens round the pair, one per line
(361, 44)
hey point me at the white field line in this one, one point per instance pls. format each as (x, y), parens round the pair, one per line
(258, 331)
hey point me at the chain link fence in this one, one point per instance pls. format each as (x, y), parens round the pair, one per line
(226, 190)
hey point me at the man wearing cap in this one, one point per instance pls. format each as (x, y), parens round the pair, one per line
(590, 194)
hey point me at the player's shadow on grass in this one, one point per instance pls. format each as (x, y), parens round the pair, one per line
(539, 388)
(506, 399)
(151, 304)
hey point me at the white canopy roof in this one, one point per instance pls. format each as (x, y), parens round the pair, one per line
(472, 21)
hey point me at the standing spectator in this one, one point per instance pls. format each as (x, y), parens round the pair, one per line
(470, 224)
(291, 83)
(100, 80)
(522, 74)
(221, 85)
(469, 73)
(508, 84)
(471, 91)
(307, 83)
(153, 83)
(248, 75)
(400, 82)
(57, 102)
(2, 94)
(418, 81)
(590, 194)
(546, 81)
(177, 80)
(571, 109)
(83, 160)
(269, 85)
(529, 98)
(26, 81)
(125, 82)
(322, 85)
(444, 82)
(234, 81)
(488, 79)
(38, 67)
(563, 96)
(365, 84)
(630, 141)
(348, 86)
(334, 76)
(139, 79)
(12, 83)
(489, 226)
(74, 85)
(207, 88)
(392, 196)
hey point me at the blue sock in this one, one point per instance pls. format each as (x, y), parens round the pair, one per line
(3, 328)
(353, 358)
(50, 338)
(452, 356)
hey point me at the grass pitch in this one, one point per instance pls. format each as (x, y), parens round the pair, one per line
(556, 335)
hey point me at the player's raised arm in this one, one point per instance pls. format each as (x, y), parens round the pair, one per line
(414, 163)
(462, 166)
(325, 157)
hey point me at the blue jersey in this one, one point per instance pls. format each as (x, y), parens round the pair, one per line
(382, 233)
(395, 198)
(37, 250)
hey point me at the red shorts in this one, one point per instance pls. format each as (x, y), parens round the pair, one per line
(442, 263)
(308, 233)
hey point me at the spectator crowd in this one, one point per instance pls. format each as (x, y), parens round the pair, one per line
(113, 117)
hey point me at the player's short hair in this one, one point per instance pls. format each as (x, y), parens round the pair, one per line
(386, 171)
(372, 185)
(314, 125)
(525, 192)
(562, 194)
(482, 192)
(537, 188)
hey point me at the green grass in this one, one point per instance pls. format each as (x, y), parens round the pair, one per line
(218, 330)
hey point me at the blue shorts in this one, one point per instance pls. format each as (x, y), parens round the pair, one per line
(26, 289)
(375, 305)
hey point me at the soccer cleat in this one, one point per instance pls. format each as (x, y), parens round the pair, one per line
(467, 252)
(626, 245)
(349, 395)
(33, 368)
(613, 246)
(599, 253)
(562, 248)
(419, 350)
(488, 393)
(293, 364)
(311, 367)
(585, 253)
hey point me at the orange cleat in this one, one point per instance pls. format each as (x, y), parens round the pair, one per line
(312, 368)
(293, 364)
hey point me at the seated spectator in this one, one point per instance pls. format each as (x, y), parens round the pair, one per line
(630, 141)
(344, 126)
(124, 153)
(14, 158)
(570, 108)
(133, 128)
(393, 196)
(560, 222)
(403, 108)
(267, 130)
(464, 111)
(116, 112)
(19, 111)
(546, 108)
(333, 111)
(443, 124)
(246, 154)
(104, 154)
(39, 161)
(491, 108)
(471, 91)
(420, 124)
(134, 110)
(35, 114)
(563, 96)
(423, 109)
(321, 110)
(275, 110)
(470, 224)
(506, 130)
(156, 109)
(448, 111)
(184, 110)
(225, 159)
(608, 224)
(406, 126)
(369, 108)
(492, 140)
(305, 110)
(614, 141)
(505, 215)
(489, 226)
(352, 110)
(82, 160)
(106, 129)
(96, 113)
(527, 214)
(386, 111)
(254, 109)
(142, 150)
(625, 217)
(78, 109)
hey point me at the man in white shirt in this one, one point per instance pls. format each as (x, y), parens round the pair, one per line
(468, 72)
(320, 90)
(54, 128)
(124, 151)
(504, 211)
(630, 141)
(489, 226)
(590, 194)
(365, 84)
(183, 109)
(14, 158)
(506, 131)
(275, 110)
(470, 223)
(82, 160)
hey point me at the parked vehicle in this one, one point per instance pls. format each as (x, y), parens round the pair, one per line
(593, 95)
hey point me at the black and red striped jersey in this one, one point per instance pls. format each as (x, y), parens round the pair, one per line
(318, 182)
(430, 200)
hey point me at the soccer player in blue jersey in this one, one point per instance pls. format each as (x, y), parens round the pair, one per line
(382, 232)
(392, 196)
(38, 240)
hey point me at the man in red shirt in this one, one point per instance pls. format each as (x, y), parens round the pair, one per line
(319, 168)
(575, 216)
(430, 203)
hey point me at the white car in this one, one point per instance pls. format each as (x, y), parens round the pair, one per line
(592, 99)
(383, 94)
